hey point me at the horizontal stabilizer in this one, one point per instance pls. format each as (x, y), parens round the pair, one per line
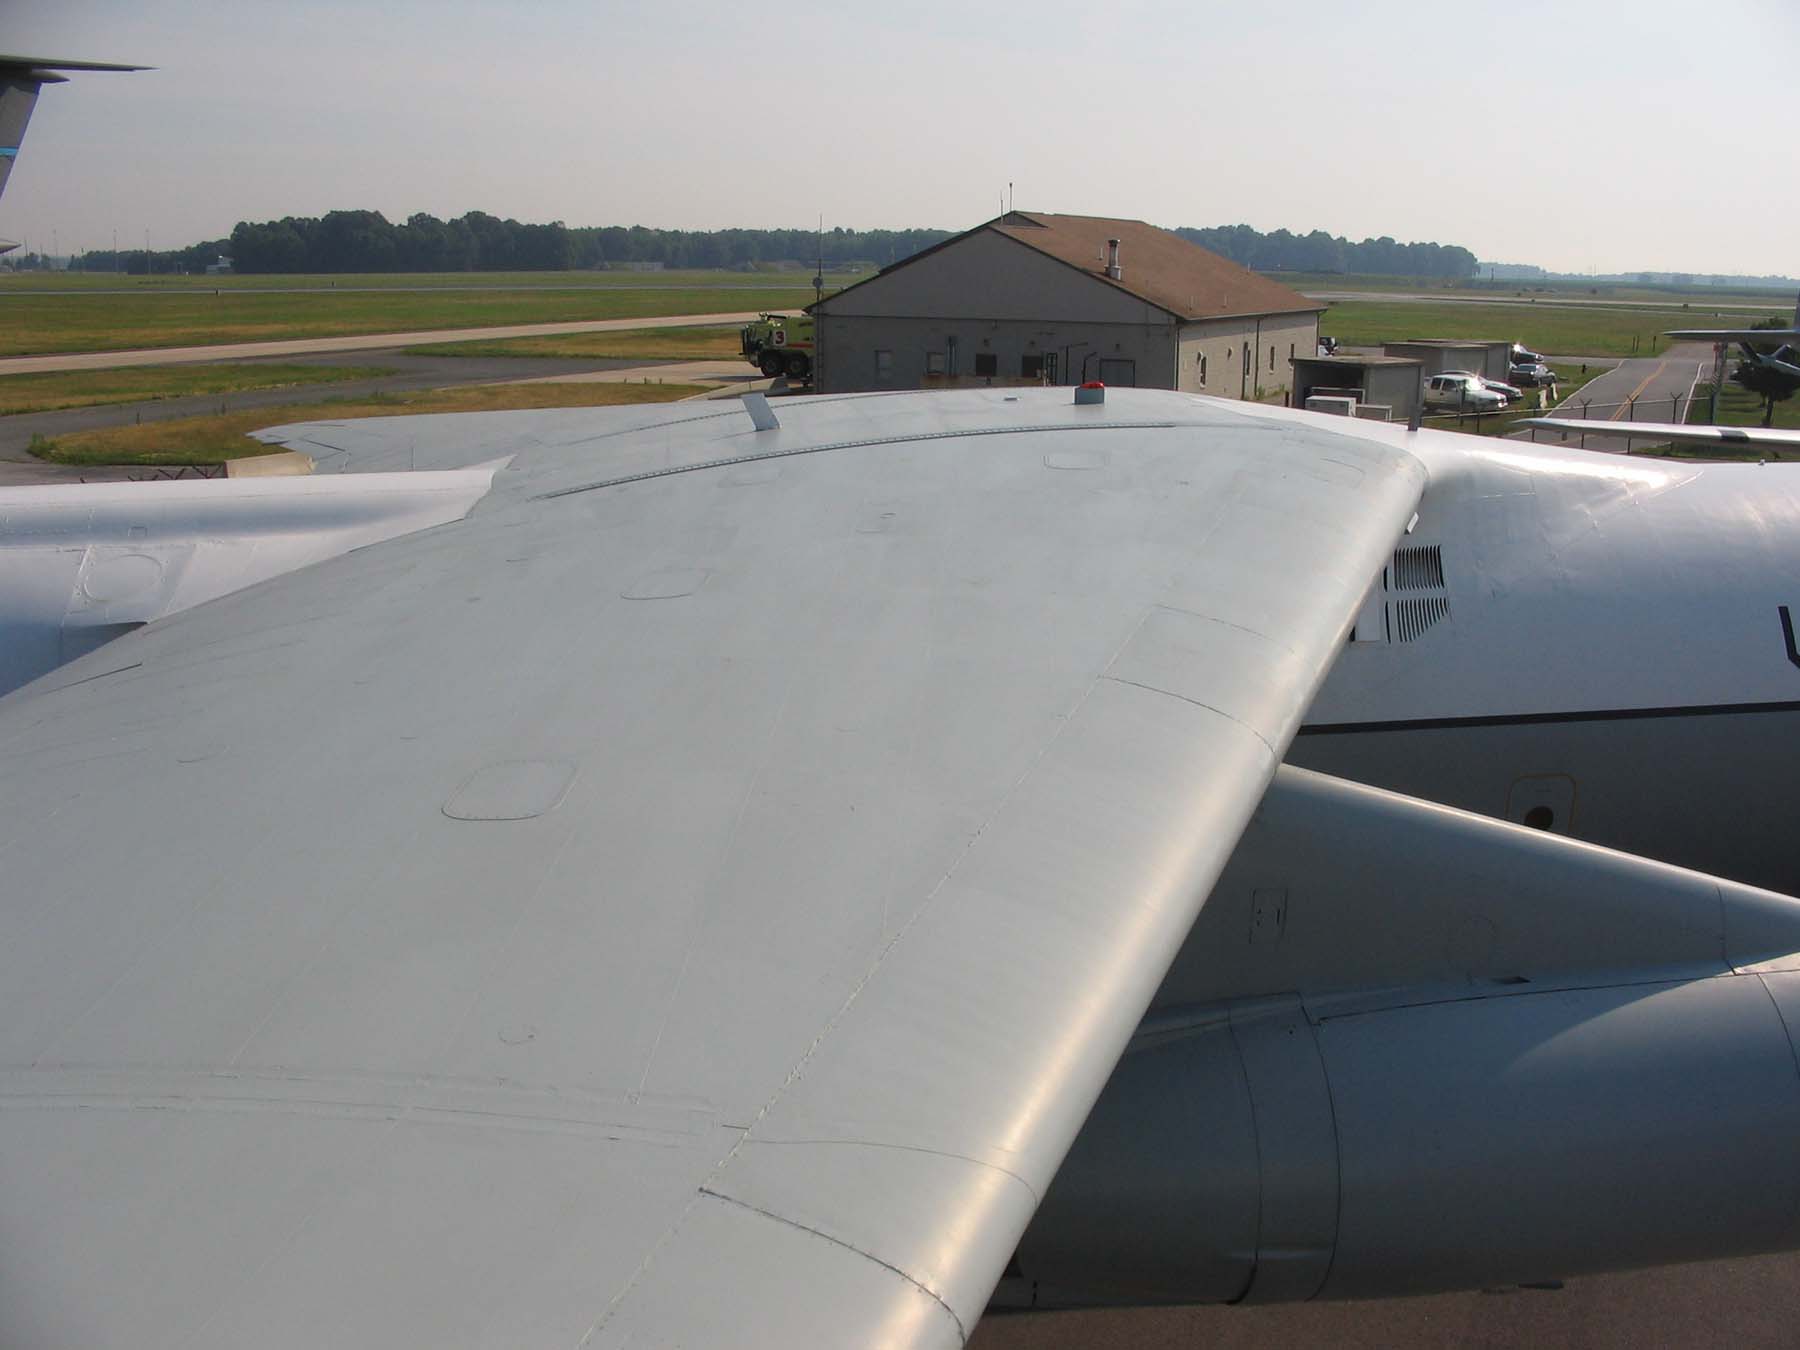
(1730, 438)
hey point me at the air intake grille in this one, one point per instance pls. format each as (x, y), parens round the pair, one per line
(1413, 617)
(1418, 569)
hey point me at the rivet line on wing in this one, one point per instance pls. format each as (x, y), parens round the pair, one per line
(848, 445)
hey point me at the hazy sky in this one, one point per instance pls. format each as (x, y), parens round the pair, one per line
(1576, 135)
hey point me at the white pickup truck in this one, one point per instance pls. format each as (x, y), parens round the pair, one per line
(1463, 391)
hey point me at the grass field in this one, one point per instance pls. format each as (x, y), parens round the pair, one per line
(1738, 407)
(25, 282)
(1701, 297)
(89, 388)
(189, 316)
(212, 440)
(648, 344)
(1567, 330)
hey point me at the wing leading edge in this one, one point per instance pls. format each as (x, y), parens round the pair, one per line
(696, 910)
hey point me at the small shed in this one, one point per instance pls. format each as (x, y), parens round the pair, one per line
(1490, 360)
(1391, 381)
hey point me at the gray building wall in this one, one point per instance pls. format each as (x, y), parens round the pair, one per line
(1439, 357)
(990, 302)
(864, 352)
(1212, 354)
(1398, 385)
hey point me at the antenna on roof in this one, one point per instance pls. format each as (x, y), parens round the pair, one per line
(819, 276)
(1009, 196)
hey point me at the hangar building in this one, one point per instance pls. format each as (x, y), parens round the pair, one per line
(1030, 298)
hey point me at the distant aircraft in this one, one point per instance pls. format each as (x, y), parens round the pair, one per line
(790, 877)
(20, 79)
(1784, 358)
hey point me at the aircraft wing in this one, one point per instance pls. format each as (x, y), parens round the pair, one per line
(694, 899)
(1776, 336)
(1733, 438)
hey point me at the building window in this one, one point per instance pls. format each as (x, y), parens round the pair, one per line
(986, 363)
(884, 365)
(1200, 361)
(1290, 353)
(1271, 356)
(1031, 366)
(934, 363)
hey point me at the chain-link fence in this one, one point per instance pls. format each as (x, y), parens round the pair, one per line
(1502, 421)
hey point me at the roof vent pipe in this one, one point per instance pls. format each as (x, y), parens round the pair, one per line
(1112, 259)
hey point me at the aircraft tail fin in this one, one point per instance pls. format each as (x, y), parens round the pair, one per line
(20, 79)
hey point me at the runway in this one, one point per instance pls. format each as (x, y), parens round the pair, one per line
(360, 342)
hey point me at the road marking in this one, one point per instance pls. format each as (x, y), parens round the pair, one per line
(1631, 397)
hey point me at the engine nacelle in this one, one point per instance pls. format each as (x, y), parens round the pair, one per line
(1258, 1153)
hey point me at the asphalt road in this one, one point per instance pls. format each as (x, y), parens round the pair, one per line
(1747, 1304)
(410, 372)
(1641, 389)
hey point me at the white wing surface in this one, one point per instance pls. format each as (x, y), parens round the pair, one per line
(693, 900)
(1725, 438)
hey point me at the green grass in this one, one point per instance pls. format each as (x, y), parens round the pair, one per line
(215, 439)
(1738, 407)
(1701, 297)
(1580, 330)
(90, 388)
(648, 344)
(37, 323)
(687, 279)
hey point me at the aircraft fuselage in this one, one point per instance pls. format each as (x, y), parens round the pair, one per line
(1599, 645)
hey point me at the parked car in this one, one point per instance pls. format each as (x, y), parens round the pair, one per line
(1463, 391)
(1530, 374)
(1510, 392)
(1524, 356)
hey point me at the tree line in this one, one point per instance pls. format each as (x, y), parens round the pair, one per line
(366, 241)
(1284, 251)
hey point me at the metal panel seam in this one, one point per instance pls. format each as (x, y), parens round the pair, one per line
(918, 436)
(1152, 689)
(961, 1330)
(1031, 1190)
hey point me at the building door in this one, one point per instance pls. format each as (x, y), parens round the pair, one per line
(1118, 371)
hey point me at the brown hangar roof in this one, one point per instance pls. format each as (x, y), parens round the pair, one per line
(1154, 265)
